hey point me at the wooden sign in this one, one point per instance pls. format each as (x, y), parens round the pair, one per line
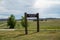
(31, 15)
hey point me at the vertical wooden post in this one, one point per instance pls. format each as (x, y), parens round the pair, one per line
(37, 22)
(26, 31)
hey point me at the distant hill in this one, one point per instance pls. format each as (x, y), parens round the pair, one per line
(3, 19)
(45, 19)
(41, 19)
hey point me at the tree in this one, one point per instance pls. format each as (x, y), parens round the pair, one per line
(23, 24)
(11, 21)
(23, 21)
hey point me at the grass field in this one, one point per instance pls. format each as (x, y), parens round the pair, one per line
(19, 35)
(50, 24)
(44, 34)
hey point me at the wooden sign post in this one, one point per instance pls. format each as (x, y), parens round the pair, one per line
(26, 31)
(37, 22)
(31, 15)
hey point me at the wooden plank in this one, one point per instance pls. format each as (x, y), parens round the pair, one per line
(31, 15)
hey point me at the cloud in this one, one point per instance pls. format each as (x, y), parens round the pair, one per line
(16, 12)
(50, 15)
(3, 16)
(18, 4)
(2, 4)
(46, 8)
(4, 9)
(45, 3)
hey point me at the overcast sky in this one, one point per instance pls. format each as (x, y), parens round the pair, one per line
(45, 8)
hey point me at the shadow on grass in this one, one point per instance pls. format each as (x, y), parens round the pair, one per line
(19, 35)
(33, 33)
(25, 34)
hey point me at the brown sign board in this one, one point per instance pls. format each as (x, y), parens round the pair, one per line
(31, 15)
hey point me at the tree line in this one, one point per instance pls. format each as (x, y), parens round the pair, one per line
(12, 21)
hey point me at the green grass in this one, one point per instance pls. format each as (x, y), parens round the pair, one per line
(45, 34)
(55, 24)
(19, 35)
(50, 24)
